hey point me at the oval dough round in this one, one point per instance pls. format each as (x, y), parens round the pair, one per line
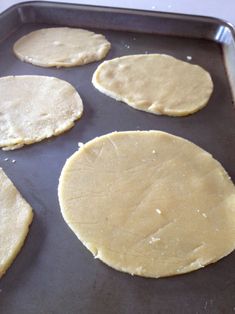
(33, 108)
(155, 83)
(15, 217)
(149, 203)
(61, 47)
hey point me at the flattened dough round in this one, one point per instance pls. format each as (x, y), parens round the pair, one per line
(61, 47)
(33, 108)
(149, 203)
(155, 83)
(15, 217)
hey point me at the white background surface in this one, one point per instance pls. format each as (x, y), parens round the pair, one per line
(224, 9)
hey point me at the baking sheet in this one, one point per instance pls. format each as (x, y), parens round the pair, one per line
(54, 273)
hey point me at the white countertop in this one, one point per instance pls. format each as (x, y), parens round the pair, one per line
(222, 9)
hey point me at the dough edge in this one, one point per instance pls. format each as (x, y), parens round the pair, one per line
(25, 232)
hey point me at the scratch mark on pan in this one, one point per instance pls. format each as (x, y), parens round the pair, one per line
(89, 195)
(156, 232)
(97, 155)
(100, 153)
(113, 144)
(197, 248)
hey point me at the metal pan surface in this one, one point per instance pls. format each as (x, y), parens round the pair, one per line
(54, 273)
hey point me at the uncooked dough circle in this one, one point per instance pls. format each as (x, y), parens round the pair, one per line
(15, 217)
(33, 108)
(155, 83)
(149, 203)
(61, 47)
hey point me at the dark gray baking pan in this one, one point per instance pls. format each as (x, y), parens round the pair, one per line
(54, 273)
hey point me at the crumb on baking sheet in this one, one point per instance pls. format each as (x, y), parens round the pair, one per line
(80, 144)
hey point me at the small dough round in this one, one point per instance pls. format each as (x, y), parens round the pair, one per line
(149, 203)
(33, 108)
(155, 83)
(61, 47)
(15, 217)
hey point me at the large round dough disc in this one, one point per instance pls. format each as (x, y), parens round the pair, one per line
(15, 217)
(61, 47)
(149, 203)
(33, 108)
(155, 83)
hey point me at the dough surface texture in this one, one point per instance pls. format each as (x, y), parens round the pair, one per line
(15, 217)
(155, 83)
(149, 203)
(33, 108)
(61, 47)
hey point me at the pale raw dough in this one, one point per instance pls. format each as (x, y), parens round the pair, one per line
(15, 217)
(33, 108)
(61, 47)
(155, 83)
(149, 203)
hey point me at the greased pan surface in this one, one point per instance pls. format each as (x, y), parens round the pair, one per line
(54, 273)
